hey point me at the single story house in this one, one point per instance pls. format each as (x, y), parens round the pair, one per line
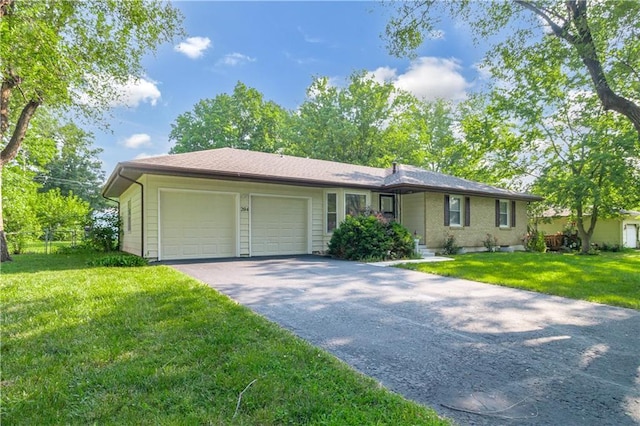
(623, 230)
(234, 203)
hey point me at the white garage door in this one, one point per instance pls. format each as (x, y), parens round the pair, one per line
(278, 226)
(197, 225)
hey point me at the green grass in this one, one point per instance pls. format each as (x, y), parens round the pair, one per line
(610, 278)
(148, 345)
(40, 247)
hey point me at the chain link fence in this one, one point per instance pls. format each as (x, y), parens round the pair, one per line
(47, 242)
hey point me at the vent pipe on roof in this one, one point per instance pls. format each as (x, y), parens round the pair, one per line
(395, 167)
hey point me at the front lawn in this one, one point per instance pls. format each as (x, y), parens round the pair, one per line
(149, 345)
(610, 278)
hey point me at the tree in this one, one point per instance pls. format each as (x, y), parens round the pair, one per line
(358, 124)
(241, 120)
(489, 149)
(71, 54)
(589, 164)
(75, 167)
(586, 159)
(604, 36)
(20, 207)
(56, 211)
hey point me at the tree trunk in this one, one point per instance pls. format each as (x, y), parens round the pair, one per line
(9, 153)
(4, 249)
(586, 234)
(581, 39)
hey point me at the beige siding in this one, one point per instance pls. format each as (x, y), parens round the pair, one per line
(551, 226)
(130, 239)
(607, 231)
(482, 223)
(412, 214)
(244, 189)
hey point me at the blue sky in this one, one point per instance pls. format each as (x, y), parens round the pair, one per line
(277, 48)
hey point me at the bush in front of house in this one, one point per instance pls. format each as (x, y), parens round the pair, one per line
(103, 232)
(534, 241)
(119, 260)
(371, 238)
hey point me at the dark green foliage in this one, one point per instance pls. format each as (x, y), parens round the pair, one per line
(491, 243)
(450, 246)
(535, 242)
(104, 230)
(119, 260)
(370, 237)
(614, 248)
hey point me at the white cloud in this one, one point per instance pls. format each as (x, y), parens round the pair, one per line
(105, 91)
(136, 91)
(384, 75)
(484, 73)
(427, 78)
(137, 140)
(233, 59)
(193, 47)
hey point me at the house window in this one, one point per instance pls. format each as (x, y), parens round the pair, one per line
(129, 216)
(332, 211)
(453, 215)
(354, 204)
(503, 214)
(387, 206)
(455, 211)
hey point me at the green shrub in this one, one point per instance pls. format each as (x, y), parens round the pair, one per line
(614, 248)
(104, 231)
(450, 246)
(491, 243)
(534, 241)
(18, 241)
(370, 238)
(119, 260)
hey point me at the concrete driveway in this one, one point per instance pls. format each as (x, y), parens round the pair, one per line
(477, 353)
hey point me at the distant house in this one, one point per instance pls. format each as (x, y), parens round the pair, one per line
(621, 231)
(233, 203)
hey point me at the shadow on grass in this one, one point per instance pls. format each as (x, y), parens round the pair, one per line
(441, 341)
(154, 346)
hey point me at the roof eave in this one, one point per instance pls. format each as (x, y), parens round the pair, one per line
(138, 169)
(403, 187)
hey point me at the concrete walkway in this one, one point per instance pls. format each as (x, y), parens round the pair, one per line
(477, 353)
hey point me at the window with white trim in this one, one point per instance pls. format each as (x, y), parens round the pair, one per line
(455, 211)
(332, 211)
(354, 204)
(504, 214)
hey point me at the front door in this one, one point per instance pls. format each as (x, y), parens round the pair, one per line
(388, 206)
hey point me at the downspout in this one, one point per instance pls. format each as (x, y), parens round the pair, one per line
(141, 210)
(118, 203)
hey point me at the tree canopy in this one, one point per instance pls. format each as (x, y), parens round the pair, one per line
(75, 166)
(241, 120)
(603, 37)
(68, 54)
(559, 70)
(358, 123)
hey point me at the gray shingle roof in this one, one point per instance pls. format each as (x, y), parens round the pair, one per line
(229, 163)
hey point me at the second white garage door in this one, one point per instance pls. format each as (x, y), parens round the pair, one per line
(279, 225)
